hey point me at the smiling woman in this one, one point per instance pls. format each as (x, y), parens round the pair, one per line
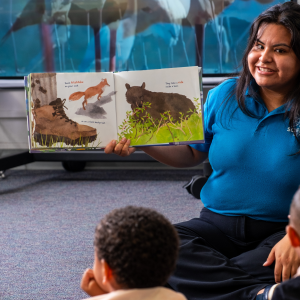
(272, 61)
(273, 64)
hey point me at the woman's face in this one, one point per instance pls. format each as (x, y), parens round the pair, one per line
(272, 62)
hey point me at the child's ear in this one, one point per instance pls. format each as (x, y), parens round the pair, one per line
(293, 235)
(106, 271)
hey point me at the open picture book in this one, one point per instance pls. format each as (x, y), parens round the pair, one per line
(85, 111)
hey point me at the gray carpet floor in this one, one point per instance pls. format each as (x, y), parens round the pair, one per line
(47, 221)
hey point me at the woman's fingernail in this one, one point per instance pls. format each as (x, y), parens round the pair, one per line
(128, 142)
(123, 140)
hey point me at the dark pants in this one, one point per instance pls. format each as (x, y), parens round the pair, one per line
(221, 257)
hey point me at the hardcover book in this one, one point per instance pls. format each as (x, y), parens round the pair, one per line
(85, 111)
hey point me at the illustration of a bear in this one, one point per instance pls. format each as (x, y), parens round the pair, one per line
(160, 102)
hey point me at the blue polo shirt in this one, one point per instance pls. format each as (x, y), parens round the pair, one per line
(254, 173)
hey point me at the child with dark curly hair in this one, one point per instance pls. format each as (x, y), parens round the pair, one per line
(135, 253)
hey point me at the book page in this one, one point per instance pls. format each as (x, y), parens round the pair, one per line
(73, 110)
(28, 112)
(159, 106)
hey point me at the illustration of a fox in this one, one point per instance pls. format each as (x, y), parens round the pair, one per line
(90, 92)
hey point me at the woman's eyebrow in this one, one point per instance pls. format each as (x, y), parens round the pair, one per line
(276, 45)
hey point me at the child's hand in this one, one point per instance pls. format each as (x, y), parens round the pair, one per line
(89, 284)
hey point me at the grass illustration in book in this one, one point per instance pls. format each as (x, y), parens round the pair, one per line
(159, 117)
(51, 126)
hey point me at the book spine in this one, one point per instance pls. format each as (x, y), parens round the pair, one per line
(201, 100)
(117, 128)
(186, 143)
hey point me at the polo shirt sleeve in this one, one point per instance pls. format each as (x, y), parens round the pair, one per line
(209, 119)
(215, 99)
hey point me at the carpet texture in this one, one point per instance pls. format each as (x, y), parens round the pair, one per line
(48, 218)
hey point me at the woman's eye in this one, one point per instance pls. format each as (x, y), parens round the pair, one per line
(259, 46)
(280, 50)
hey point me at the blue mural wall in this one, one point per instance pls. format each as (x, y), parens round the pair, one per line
(117, 35)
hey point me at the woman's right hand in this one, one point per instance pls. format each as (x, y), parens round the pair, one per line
(182, 156)
(121, 148)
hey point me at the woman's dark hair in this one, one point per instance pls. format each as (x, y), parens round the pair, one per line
(288, 15)
(140, 246)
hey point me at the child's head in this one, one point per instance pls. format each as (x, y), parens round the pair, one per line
(136, 247)
(293, 229)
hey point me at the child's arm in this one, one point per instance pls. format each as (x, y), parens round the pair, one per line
(89, 284)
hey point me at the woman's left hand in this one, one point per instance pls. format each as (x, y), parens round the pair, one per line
(286, 260)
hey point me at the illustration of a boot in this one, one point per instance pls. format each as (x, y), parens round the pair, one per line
(52, 125)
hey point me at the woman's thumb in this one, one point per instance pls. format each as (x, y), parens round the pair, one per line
(270, 258)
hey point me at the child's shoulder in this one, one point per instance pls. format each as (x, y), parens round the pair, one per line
(169, 294)
(157, 293)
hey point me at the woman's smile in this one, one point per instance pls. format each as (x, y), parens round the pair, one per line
(265, 71)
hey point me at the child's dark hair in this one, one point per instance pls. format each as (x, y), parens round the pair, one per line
(139, 244)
